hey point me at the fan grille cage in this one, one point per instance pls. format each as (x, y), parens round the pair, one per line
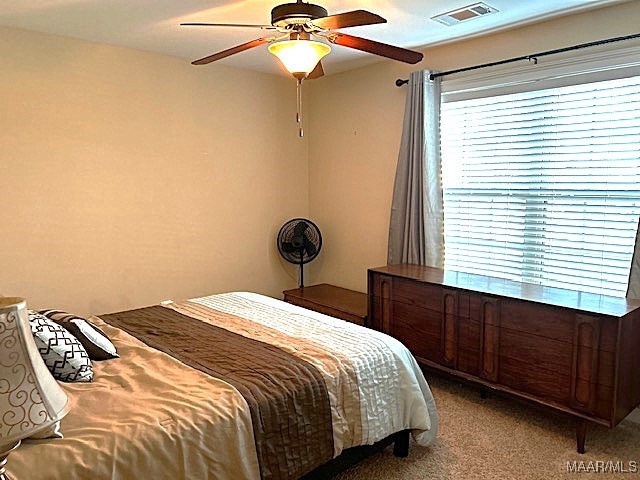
(287, 234)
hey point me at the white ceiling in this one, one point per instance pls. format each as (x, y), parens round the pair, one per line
(153, 25)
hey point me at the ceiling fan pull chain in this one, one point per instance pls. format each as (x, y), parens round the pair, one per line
(299, 107)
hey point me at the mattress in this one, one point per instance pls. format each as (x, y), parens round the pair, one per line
(163, 414)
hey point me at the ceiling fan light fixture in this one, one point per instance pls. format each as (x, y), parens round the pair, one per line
(299, 57)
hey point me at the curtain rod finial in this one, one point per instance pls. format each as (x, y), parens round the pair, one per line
(400, 82)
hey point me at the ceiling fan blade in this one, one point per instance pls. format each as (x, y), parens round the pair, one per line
(377, 48)
(317, 72)
(242, 25)
(237, 49)
(354, 18)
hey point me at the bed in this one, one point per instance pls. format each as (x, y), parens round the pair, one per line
(231, 386)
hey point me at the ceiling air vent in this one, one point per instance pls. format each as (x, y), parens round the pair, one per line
(464, 13)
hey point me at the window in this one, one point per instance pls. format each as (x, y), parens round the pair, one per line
(543, 186)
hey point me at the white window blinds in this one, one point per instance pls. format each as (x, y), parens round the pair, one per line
(543, 186)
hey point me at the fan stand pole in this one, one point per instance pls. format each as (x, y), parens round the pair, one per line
(301, 268)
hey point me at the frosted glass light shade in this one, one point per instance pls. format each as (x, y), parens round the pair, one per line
(30, 399)
(299, 57)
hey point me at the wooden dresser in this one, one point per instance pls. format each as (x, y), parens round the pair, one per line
(578, 353)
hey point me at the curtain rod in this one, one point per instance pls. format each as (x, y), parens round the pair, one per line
(532, 57)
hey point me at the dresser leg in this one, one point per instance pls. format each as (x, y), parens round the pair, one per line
(581, 434)
(401, 444)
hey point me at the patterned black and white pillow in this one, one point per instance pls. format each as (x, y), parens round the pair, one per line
(94, 340)
(64, 355)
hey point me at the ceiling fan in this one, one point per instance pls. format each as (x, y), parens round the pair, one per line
(299, 21)
(295, 24)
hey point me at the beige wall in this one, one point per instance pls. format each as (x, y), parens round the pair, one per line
(129, 177)
(356, 124)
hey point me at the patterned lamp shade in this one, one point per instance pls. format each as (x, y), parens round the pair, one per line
(30, 399)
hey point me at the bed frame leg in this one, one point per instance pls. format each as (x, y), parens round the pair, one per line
(401, 444)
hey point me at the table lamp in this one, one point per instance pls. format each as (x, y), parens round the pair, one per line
(30, 399)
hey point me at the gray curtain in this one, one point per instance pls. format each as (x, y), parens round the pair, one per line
(416, 230)
(633, 290)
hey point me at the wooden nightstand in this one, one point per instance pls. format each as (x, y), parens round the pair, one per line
(338, 302)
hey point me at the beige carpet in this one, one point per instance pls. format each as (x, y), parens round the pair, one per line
(500, 438)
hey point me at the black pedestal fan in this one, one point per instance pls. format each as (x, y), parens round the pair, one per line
(299, 242)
